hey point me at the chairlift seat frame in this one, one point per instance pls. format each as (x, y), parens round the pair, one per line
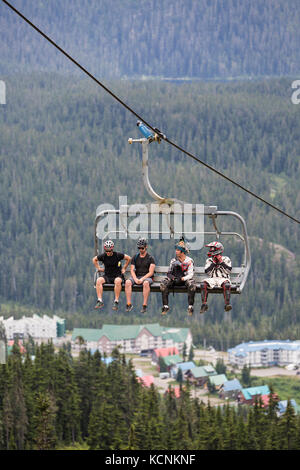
(160, 273)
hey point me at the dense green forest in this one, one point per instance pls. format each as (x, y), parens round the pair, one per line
(64, 151)
(166, 38)
(56, 401)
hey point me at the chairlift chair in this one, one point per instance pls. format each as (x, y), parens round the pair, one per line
(169, 207)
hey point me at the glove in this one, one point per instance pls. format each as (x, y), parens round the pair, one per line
(217, 259)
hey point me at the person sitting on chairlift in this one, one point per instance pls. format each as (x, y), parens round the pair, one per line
(142, 272)
(218, 268)
(113, 272)
(180, 273)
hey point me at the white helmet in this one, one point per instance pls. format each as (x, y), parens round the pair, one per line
(108, 245)
(215, 248)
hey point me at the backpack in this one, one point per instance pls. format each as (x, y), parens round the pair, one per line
(176, 271)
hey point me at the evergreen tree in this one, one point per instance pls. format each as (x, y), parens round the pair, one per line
(44, 422)
(287, 428)
(251, 439)
(15, 416)
(246, 376)
(220, 367)
(101, 425)
(184, 352)
(66, 399)
(230, 429)
(86, 370)
(191, 354)
(179, 376)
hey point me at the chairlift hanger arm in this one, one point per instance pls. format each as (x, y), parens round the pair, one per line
(148, 138)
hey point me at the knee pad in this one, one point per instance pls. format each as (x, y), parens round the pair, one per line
(192, 286)
(226, 285)
(204, 292)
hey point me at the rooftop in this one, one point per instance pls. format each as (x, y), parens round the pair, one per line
(171, 360)
(251, 392)
(217, 380)
(163, 352)
(203, 371)
(186, 365)
(231, 385)
(123, 332)
(244, 348)
(146, 380)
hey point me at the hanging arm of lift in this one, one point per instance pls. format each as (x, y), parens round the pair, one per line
(149, 137)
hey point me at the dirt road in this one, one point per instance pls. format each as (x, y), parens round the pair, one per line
(273, 372)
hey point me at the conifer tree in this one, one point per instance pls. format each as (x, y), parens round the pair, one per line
(191, 354)
(16, 416)
(85, 377)
(180, 431)
(251, 440)
(241, 435)
(101, 425)
(44, 422)
(287, 428)
(66, 399)
(229, 429)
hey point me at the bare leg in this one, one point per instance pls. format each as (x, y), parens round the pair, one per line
(128, 290)
(118, 288)
(99, 287)
(146, 291)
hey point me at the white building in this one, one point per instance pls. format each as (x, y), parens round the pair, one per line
(265, 353)
(37, 327)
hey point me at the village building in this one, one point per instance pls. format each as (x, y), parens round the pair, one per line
(175, 390)
(37, 327)
(230, 389)
(132, 338)
(216, 381)
(183, 366)
(146, 380)
(163, 352)
(199, 375)
(282, 405)
(170, 361)
(249, 395)
(265, 353)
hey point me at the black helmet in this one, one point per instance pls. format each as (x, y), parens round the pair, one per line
(142, 243)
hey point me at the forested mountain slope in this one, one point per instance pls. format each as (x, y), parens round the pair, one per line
(64, 151)
(167, 38)
(60, 402)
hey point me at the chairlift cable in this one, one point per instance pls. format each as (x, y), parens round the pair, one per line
(154, 129)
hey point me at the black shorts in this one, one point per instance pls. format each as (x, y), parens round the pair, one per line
(110, 279)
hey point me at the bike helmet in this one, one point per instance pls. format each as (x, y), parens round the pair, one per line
(108, 245)
(215, 248)
(141, 243)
